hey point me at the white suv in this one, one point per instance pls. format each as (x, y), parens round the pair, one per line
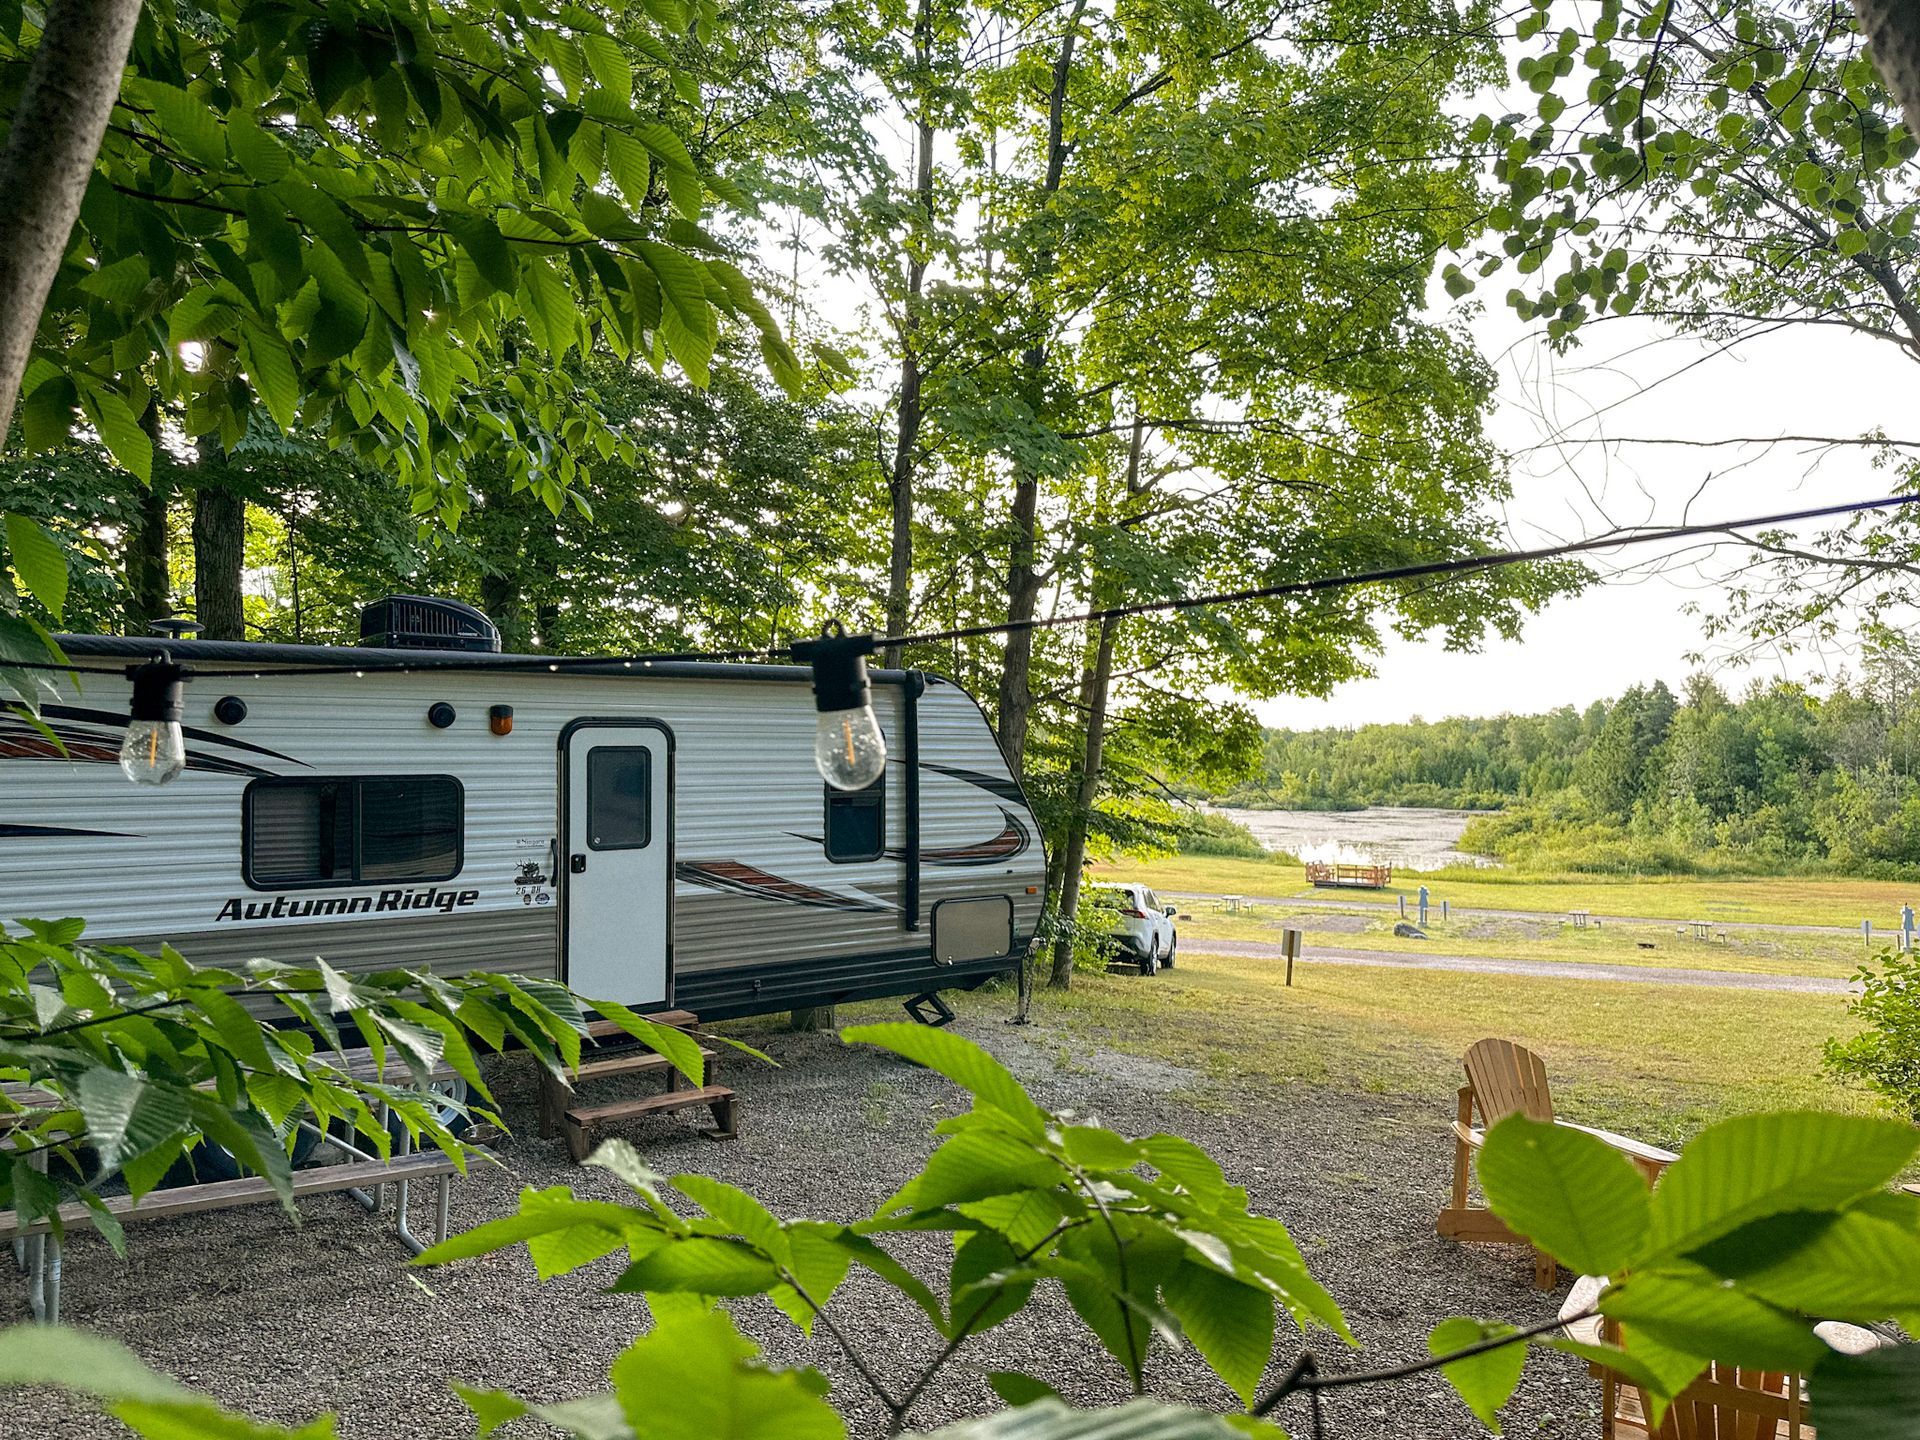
(1141, 928)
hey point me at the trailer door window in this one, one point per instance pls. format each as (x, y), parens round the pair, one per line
(857, 823)
(619, 806)
(302, 834)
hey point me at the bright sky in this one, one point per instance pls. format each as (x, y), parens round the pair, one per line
(1810, 380)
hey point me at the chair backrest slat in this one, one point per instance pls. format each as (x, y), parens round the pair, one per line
(1730, 1404)
(1507, 1078)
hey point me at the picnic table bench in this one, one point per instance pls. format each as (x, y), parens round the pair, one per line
(364, 1177)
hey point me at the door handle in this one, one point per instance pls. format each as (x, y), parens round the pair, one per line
(576, 863)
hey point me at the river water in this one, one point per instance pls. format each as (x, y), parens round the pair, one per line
(1399, 835)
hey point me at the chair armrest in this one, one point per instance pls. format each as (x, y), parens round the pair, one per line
(1585, 1293)
(1467, 1135)
(1639, 1150)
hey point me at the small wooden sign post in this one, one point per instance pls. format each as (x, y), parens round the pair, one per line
(1290, 946)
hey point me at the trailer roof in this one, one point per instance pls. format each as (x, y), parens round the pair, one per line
(246, 653)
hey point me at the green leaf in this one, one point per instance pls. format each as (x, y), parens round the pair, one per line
(971, 1068)
(1866, 1397)
(1228, 1322)
(1054, 1420)
(975, 1164)
(1752, 1166)
(120, 431)
(38, 560)
(263, 158)
(680, 1048)
(1705, 1316)
(491, 1408)
(1861, 1265)
(81, 1361)
(1566, 1191)
(46, 415)
(1485, 1381)
(718, 1390)
(186, 124)
(1018, 1389)
(119, 282)
(984, 1285)
(127, 1115)
(276, 379)
(736, 1209)
(486, 247)
(699, 1266)
(607, 59)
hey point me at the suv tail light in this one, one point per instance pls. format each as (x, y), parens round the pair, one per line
(1134, 914)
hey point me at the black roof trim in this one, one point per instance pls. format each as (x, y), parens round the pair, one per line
(240, 654)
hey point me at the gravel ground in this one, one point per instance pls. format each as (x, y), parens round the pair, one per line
(281, 1321)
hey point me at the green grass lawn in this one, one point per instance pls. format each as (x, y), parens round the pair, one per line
(1550, 938)
(1786, 900)
(1658, 1063)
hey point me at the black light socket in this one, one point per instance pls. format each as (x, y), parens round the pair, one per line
(229, 709)
(440, 715)
(839, 662)
(159, 690)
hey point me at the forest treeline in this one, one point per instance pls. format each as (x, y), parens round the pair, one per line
(1778, 777)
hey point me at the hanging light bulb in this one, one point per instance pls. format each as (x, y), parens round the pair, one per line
(154, 751)
(848, 748)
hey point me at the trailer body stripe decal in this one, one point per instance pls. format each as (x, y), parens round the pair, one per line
(21, 741)
(740, 878)
(1005, 789)
(21, 832)
(1013, 839)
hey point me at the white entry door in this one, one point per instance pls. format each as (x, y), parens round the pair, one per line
(617, 868)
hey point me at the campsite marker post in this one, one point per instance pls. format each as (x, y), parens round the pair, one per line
(1290, 947)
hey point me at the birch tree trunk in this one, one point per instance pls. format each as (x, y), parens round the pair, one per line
(52, 142)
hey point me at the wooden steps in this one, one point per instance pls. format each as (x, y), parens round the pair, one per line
(562, 1111)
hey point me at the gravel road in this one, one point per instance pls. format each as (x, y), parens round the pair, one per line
(282, 1321)
(1533, 969)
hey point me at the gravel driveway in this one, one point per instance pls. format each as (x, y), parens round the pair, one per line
(281, 1321)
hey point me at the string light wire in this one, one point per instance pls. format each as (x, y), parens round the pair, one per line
(1461, 565)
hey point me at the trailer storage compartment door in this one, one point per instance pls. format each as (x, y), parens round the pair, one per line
(617, 879)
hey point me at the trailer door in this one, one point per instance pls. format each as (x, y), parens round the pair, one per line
(617, 877)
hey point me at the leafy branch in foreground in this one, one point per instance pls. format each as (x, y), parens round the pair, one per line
(122, 1064)
(1765, 1223)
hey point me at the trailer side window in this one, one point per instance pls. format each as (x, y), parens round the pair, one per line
(857, 823)
(619, 797)
(302, 834)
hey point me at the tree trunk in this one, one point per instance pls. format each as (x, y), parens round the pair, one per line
(219, 552)
(145, 555)
(1093, 693)
(1073, 856)
(1023, 579)
(906, 445)
(69, 90)
(1892, 28)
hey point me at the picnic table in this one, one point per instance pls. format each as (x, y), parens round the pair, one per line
(364, 1177)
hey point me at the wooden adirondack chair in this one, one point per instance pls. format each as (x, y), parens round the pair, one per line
(1504, 1078)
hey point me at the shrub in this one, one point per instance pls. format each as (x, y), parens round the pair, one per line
(1210, 834)
(1886, 1054)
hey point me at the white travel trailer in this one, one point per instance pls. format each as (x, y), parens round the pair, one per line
(653, 834)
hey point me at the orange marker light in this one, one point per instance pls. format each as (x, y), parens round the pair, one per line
(500, 719)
